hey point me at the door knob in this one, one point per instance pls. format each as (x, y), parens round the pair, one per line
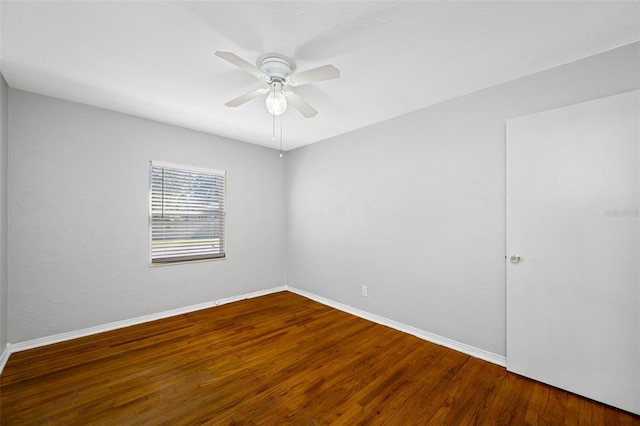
(514, 258)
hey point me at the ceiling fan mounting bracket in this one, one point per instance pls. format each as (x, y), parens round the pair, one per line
(278, 67)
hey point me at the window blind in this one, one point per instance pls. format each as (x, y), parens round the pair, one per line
(186, 214)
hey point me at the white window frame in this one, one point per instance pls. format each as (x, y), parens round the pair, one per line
(188, 252)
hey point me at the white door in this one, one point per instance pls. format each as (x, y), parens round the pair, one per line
(573, 299)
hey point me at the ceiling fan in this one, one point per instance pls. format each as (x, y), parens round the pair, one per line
(278, 72)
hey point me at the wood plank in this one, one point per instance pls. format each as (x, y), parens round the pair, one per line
(277, 359)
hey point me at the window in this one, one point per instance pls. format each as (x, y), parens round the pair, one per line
(186, 214)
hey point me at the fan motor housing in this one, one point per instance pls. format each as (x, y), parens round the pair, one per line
(278, 67)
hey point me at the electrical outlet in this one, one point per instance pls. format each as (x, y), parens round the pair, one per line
(364, 290)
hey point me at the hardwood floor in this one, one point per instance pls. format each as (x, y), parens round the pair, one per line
(275, 360)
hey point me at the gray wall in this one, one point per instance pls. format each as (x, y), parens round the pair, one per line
(78, 217)
(414, 207)
(4, 144)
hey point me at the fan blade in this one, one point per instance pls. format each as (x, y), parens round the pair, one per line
(241, 63)
(326, 72)
(246, 97)
(300, 104)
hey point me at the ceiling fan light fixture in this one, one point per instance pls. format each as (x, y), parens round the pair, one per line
(279, 71)
(276, 103)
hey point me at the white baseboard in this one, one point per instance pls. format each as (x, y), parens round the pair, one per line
(57, 338)
(424, 335)
(251, 295)
(4, 357)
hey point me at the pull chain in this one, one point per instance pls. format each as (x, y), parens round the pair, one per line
(273, 122)
(281, 138)
(273, 115)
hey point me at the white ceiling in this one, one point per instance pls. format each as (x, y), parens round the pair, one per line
(155, 59)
